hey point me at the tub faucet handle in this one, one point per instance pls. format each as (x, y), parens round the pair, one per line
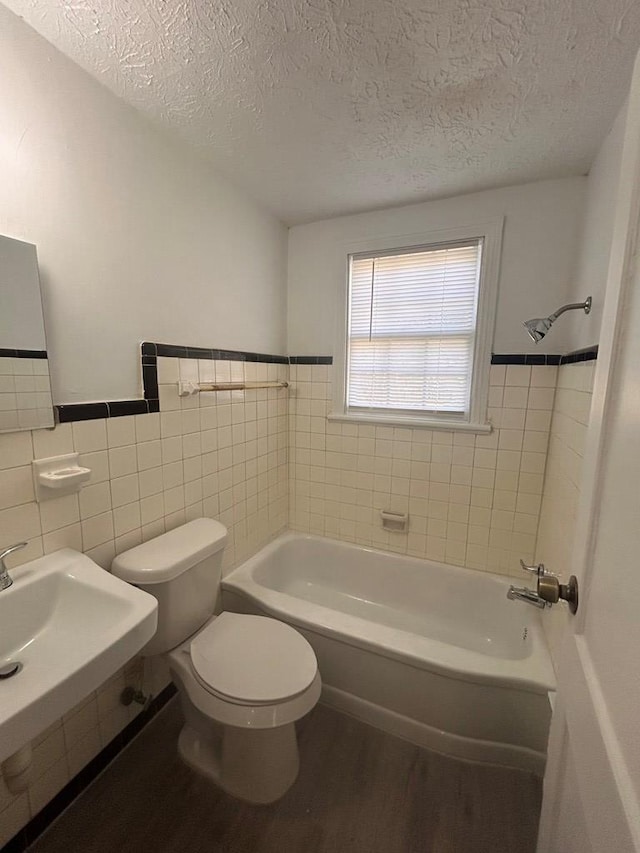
(538, 570)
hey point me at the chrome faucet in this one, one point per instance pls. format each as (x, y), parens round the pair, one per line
(5, 578)
(522, 593)
(548, 589)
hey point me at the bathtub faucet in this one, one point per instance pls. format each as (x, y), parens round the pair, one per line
(522, 593)
(548, 589)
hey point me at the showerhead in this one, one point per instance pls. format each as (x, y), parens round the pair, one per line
(539, 326)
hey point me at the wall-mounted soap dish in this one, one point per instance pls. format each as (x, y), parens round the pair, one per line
(395, 522)
(58, 475)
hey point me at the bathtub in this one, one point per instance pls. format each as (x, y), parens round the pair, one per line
(433, 653)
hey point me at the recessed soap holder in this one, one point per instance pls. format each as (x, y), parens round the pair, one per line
(395, 522)
(58, 475)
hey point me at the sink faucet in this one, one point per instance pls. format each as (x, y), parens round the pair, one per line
(5, 579)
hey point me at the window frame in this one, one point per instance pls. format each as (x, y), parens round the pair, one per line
(476, 420)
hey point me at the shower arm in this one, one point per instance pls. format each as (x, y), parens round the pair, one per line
(586, 307)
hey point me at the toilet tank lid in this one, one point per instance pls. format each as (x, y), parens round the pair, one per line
(169, 555)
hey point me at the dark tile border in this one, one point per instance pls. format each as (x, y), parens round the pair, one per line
(81, 412)
(64, 798)
(525, 358)
(173, 351)
(310, 359)
(149, 353)
(113, 409)
(120, 408)
(150, 380)
(22, 353)
(586, 354)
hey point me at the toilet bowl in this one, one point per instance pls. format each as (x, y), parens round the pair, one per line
(243, 680)
(254, 677)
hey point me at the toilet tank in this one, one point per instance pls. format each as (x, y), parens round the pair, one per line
(182, 570)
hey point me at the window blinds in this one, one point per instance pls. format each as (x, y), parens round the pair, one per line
(411, 328)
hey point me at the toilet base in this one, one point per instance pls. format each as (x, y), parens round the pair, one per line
(256, 765)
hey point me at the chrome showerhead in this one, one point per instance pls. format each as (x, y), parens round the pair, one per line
(539, 326)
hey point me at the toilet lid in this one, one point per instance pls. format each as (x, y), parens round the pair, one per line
(253, 659)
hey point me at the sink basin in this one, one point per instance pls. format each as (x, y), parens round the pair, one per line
(71, 625)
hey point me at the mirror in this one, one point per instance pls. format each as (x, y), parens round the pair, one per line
(25, 387)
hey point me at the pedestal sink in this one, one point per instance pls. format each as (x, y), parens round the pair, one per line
(66, 625)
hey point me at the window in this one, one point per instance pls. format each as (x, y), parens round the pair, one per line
(418, 332)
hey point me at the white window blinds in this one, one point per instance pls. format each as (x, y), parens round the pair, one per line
(411, 329)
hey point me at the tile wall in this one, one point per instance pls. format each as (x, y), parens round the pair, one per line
(222, 455)
(563, 479)
(473, 500)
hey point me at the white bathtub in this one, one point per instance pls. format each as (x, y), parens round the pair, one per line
(433, 653)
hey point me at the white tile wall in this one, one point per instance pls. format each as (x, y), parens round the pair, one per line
(563, 480)
(473, 500)
(220, 455)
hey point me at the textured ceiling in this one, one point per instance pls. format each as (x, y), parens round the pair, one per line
(321, 107)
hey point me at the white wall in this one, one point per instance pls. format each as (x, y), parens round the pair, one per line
(137, 238)
(593, 260)
(543, 224)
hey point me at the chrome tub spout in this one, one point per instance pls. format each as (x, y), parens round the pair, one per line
(522, 593)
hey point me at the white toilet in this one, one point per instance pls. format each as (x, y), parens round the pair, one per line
(243, 680)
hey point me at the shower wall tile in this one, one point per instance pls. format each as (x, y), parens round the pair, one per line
(472, 500)
(563, 480)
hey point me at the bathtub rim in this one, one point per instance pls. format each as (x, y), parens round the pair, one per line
(533, 673)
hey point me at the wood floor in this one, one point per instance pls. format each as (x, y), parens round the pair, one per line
(359, 791)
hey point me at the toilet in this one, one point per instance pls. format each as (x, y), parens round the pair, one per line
(243, 680)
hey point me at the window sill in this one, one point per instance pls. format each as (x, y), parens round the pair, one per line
(408, 421)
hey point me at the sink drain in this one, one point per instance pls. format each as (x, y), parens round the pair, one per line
(7, 670)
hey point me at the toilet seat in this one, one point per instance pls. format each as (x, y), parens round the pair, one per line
(252, 660)
(228, 712)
